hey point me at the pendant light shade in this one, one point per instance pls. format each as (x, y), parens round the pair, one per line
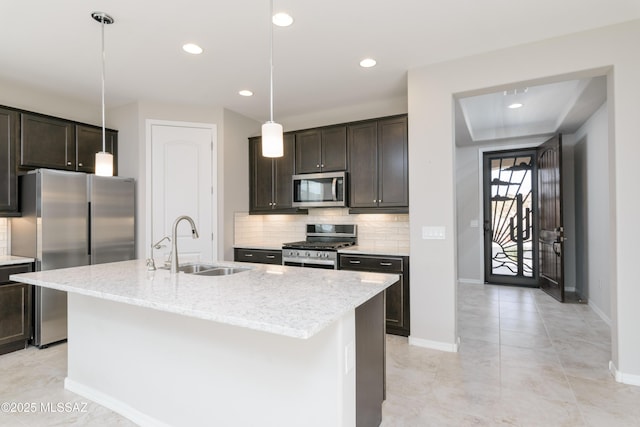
(272, 139)
(104, 160)
(104, 164)
(272, 143)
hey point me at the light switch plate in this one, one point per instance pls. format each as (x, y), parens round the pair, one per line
(433, 233)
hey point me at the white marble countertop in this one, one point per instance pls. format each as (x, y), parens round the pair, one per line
(290, 301)
(12, 260)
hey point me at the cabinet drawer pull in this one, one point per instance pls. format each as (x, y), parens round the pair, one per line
(271, 256)
(386, 264)
(248, 255)
(354, 262)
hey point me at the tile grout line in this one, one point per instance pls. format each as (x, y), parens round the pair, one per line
(557, 355)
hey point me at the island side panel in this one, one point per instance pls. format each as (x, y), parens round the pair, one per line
(159, 368)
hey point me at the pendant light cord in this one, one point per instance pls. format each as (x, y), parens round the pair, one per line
(271, 57)
(104, 138)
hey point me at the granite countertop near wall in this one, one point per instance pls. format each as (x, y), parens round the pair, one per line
(289, 301)
(12, 260)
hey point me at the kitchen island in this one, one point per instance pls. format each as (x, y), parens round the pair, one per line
(272, 345)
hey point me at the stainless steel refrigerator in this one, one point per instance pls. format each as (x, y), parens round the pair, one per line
(70, 219)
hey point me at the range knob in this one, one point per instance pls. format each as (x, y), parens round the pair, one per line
(307, 254)
(319, 254)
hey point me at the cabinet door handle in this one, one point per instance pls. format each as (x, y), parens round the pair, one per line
(318, 165)
(271, 256)
(354, 261)
(80, 164)
(248, 255)
(322, 165)
(68, 163)
(386, 264)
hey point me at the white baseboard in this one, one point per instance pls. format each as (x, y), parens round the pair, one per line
(600, 313)
(114, 404)
(435, 345)
(471, 281)
(623, 378)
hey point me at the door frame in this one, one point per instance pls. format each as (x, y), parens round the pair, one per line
(149, 123)
(530, 143)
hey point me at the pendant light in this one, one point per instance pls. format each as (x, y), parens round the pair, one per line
(104, 160)
(272, 140)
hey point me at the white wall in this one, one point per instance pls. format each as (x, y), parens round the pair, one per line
(17, 95)
(234, 184)
(233, 164)
(610, 50)
(344, 114)
(593, 134)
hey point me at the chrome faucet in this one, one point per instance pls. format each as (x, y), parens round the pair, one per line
(174, 240)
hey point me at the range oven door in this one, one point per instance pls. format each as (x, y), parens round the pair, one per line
(310, 265)
(314, 190)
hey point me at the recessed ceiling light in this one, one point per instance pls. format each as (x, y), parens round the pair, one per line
(192, 48)
(368, 63)
(246, 92)
(515, 105)
(282, 19)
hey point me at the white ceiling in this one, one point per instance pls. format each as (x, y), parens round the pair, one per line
(546, 109)
(55, 45)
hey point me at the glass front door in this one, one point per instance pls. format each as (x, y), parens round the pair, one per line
(510, 194)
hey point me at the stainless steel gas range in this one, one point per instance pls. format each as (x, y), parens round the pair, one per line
(320, 249)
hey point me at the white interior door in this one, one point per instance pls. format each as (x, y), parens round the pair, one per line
(183, 181)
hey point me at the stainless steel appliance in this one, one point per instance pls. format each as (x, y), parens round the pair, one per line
(320, 249)
(70, 219)
(315, 190)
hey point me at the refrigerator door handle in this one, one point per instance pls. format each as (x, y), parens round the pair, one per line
(89, 232)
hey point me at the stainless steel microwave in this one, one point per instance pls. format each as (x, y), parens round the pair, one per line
(320, 190)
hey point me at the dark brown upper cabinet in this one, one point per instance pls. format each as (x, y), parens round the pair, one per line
(321, 150)
(9, 132)
(49, 142)
(270, 185)
(89, 142)
(379, 165)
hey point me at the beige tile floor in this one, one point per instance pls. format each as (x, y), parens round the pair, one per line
(525, 360)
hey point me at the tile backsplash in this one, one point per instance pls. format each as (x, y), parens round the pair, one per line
(4, 236)
(377, 231)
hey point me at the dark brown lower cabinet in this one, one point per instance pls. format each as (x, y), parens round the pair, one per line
(15, 310)
(262, 256)
(397, 295)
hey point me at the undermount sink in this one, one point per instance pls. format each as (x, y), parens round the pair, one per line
(221, 271)
(209, 269)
